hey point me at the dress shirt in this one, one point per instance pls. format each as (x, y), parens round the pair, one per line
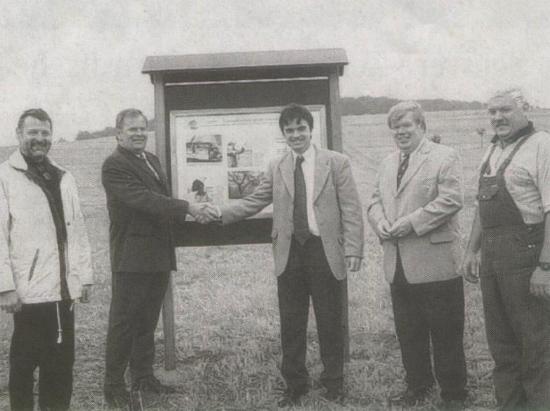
(308, 167)
(143, 157)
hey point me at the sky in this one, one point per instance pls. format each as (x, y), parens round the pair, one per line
(81, 60)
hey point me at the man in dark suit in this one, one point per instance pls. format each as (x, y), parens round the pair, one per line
(317, 237)
(142, 256)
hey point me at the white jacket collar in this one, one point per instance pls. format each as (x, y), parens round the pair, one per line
(17, 161)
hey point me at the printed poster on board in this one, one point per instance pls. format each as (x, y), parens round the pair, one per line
(219, 156)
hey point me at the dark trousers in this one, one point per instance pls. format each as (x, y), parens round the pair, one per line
(433, 311)
(308, 274)
(518, 333)
(133, 317)
(35, 344)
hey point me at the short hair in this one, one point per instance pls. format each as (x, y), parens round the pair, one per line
(516, 94)
(401, 109)
(295, 112)
(36, 113)
(129, 112)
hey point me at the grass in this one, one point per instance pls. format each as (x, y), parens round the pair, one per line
(227, 324)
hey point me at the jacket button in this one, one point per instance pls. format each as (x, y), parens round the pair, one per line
(68, 223)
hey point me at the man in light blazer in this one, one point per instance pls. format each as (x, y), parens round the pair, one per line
(414, 211)
(317, 236)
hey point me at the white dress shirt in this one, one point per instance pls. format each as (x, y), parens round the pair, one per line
(308, 168)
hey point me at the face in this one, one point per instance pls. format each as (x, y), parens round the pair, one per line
(35, 138)
(133, 137)
(297, 135)
(407, 133)
(506, 117)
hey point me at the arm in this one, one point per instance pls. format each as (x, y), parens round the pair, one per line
(376, 215)
(252, 203)
(351, 214)
(9, 300)
(121, 184)
(540, 280)
(80, 239)
(471, 261)
(449, 199)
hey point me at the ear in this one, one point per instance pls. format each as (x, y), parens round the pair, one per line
(18, 133)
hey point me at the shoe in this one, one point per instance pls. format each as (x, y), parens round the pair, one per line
(452, 405)
(334, 395)
(409, 398)
(152, 384)
(291, 397)
(117, 397)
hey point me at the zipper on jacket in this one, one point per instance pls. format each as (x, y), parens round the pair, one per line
(33, 265)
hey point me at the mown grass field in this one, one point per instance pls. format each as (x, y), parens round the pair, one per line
(226, 311)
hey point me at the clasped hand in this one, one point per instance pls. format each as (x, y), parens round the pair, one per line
(400, 228)
(204, 213)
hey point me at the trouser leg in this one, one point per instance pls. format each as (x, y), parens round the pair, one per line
(143, 344)
(326, 293)
(444, 308)
(57, 360)
(293, 293)
(529, 318)
(129, 294)
(412, 332)
(24, 357)
(504, 346)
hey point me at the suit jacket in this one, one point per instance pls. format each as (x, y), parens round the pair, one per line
(336, 204)
(430, 196)
(140, 211)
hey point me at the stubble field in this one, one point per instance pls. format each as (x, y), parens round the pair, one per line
(227, 325)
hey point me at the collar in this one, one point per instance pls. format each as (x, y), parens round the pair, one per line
(17, 161)
(308, 155)
(528, 129)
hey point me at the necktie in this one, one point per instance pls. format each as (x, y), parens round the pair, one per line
(144, 158)
(403, 165)
(301, 227)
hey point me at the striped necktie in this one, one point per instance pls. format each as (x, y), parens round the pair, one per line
(403, 165)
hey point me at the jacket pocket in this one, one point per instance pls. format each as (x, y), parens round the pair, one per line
(441, 237)
(33, 264)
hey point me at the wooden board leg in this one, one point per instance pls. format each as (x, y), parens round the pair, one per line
(345, 320)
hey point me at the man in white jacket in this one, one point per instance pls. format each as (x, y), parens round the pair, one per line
(45, 265)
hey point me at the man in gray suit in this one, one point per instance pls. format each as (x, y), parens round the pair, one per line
(317, 236)
(414, 211)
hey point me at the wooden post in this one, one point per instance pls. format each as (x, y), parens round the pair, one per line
(336, 130)
(168, 322)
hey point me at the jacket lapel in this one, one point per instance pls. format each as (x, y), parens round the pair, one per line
(322, 169)
(392, 175)
(416, 162)
(287, 171)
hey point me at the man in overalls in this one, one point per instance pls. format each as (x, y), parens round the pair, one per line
(512, 231)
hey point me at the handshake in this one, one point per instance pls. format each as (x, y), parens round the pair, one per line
(205, 213)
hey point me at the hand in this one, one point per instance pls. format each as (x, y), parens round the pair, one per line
(401, 227)
(540, 283)
(10, 302)
(86, 293)
(470, 266)
(383, 229)
(209, 212)
(353, 263)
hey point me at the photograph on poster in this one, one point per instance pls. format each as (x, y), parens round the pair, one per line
(242, 183)
(204, 148)
(219, 155)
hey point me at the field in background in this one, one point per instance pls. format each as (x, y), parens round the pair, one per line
(226, 310)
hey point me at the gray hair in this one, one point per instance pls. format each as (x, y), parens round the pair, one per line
(516, 94)
(129, 112)
(401, 109)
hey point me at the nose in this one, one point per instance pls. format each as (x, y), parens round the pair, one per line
(497, 115)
